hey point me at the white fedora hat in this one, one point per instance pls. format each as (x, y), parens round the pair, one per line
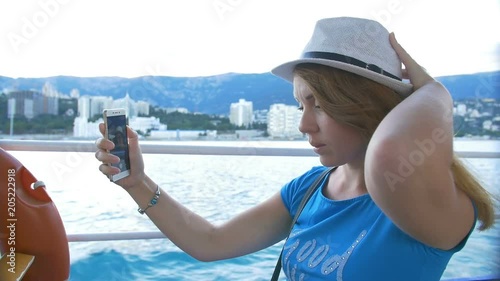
(356, 45)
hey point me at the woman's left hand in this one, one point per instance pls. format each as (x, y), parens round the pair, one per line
(417, 75)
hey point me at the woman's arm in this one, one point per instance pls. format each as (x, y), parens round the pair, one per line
(255, 229)
(408, 164)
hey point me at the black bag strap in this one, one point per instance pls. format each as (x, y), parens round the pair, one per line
(309, 192)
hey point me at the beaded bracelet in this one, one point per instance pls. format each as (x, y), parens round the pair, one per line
(153, 201)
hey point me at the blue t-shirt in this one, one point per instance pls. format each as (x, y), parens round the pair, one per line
(352, 240)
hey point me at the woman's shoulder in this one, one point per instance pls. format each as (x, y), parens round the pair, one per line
(293, 191)
(309, 176)
(314, 171)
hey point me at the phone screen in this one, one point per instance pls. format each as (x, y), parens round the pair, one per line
(117, 133)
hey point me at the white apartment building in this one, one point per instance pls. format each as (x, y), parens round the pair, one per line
(31, 104)
(90, 106)
(241, 113)
(129, 104)
(283, 121)
(142, 108)
(49, 91)
(175, 109)
(461, 109)
(84, 107)
(98, 104)
(84, 129)
(145, 124)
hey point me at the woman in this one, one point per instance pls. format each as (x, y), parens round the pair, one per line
(398, 205)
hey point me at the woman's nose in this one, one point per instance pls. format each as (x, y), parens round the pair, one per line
(307, 123)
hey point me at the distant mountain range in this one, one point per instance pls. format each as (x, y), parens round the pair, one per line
(214, 94)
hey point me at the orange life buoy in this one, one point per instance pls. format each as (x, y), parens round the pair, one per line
(30, 223)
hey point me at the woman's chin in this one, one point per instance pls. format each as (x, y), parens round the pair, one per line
(327, 161)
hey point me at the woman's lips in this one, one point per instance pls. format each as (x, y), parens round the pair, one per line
(318, 147)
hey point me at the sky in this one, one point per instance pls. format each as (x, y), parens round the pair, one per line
(130, 38)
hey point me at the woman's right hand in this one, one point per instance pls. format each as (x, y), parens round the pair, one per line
(102, 154)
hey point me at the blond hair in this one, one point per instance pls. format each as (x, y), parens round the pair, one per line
(362, 103)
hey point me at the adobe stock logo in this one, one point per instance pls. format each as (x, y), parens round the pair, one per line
(74, 158)
(31, 26)
(415, 158)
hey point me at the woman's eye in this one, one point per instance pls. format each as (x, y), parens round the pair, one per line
(300, 108)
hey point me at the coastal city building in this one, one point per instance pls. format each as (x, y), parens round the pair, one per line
(82, 128)
(84, 107)
(89, 107)
(477, 117)
(49, 91)
(98, 104)
(241, 113)
(182, 134)
(168, 110)
(473, 118)
(283, 121)
(31, 104)
(260, 116)
(142, 108)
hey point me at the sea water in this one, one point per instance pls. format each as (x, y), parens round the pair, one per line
(216, 187)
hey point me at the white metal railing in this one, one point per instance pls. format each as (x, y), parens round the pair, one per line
(189, 148)
(113, 236)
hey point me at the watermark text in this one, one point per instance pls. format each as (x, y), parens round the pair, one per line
(32, 25)
(406, 167)
(11, 220)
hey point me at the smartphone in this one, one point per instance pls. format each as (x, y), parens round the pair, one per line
(115, 121)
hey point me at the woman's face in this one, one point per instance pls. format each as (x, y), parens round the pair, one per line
(335, 143)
